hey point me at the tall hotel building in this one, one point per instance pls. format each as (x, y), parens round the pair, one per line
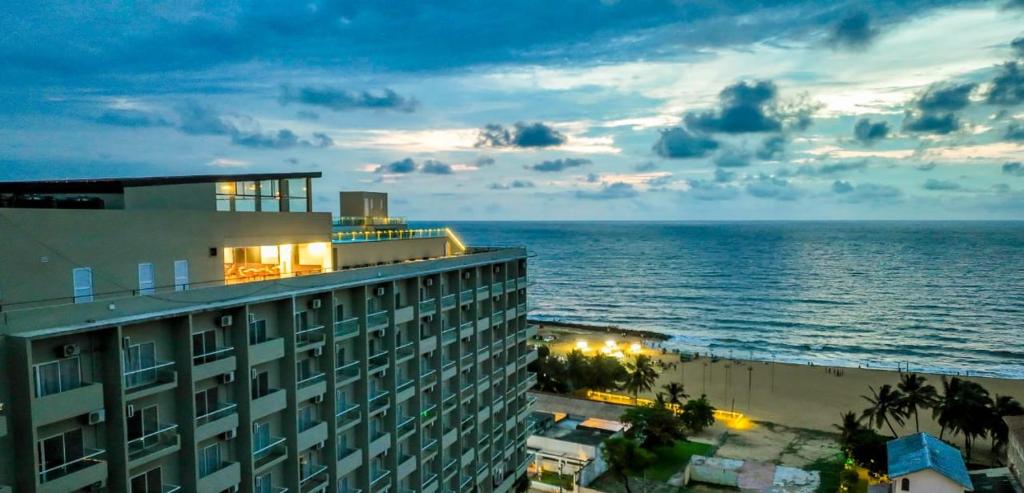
(212, 333)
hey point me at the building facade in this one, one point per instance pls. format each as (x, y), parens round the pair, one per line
(213, 334)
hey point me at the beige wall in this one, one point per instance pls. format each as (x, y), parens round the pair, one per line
(42, 246)
(372, 253)
(927, 481)
(354, 204)
(190, 196)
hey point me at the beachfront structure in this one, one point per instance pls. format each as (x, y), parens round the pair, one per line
(213, 333)
(921, 463)
(569, 446)
(1015, 446)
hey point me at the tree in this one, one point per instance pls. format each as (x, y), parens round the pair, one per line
(608, 373)
(1002, 406)
(640, 376)
(972, 408)
(655, 426)
(868, 449)
(675, 394)
(577, 368)
(916, 395)
(946, 409)
(886, 406)
(698, 414)
(625, 458)
(848, 427)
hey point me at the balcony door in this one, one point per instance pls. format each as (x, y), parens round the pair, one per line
(139, 363)
(204, 343)
(58, 451)
(58, 376)
(142, 424)
(150, 481)
(260, 436)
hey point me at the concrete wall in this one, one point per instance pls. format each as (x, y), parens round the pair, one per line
(190, 197)
(927, 481)
(361, 254)
(354, 204)
(1015, 456)
(42, 246)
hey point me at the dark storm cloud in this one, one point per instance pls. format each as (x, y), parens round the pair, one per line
(432, 167)
(743, 109)
(337, 99)
(855, 31)
(519, 135)
(732, 159)
(132, 118)
(941, 124)
(514, 184)
(946, 97)
(1008, 85)
(609, 191)
(867, 132)
(940, 185)
(1015, 132)
(679, 143)
(771, 148)
(1014, 168)
(282, 139)
(401, 167)
(556, 165)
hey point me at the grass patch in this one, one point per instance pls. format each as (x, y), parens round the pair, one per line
(672, 459)
(556, 479)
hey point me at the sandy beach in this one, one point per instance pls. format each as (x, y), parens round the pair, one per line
(794, 395)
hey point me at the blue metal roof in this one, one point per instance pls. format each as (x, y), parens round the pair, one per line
(922, 451)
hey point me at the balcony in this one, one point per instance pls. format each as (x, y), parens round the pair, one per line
(76, 474)
(530, 381)
(377, 320)
(450, 468)
(498, 346)
(467, 424)
(379, 402)
(521, 310)
(447, 365)
(428, 413)
(465, 483)
(406, 427)
(310, 385)
(466, 296)
(213, 363)
(466, 329)
(379, 361)
(348, 416)
(225, 477)
(531, 356)
(522, 282)
(268, 350)
(311, 434)
(309, 338)
(360, 221)
(379, 442)
(216, 421)
(428, 307)
(483, 293)
(270, 454)
(468, 360)
(403, 385)
(309, 471)
(348, 460)
(380, 480)
(347, 373)
(405, 352)
(449, 336)
(448, 301)
(498, 288)
(430, 448)
(429, 378)
(159, 443)
(531, 331)
(67, 404)
(346, 329)
(150, 380)
(448, 404)
(498, 317)
(271, 402)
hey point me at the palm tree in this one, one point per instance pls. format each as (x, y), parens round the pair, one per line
(626, 458)
(1002, 406)
(945, 410)
(971, 411)
(916, 395)
(640, 376)
(885, 407)
(848, 427)
(675, 393)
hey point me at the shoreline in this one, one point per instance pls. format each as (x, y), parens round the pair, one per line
(601, 329)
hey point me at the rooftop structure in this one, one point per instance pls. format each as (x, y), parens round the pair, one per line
(921, 463)
(1015, 446)
(206, 334)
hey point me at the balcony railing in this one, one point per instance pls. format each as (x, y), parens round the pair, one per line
(449, 336)
(346, 414)
(448, 301)
(311, 335)
(467, 360)
(379, 400)
(350, 221)
(309, 471)
(378, 360)
(346, 328)
(406, 350)
(483, 292)
(211, 356)
(311, 379)
(347, 372)
(406, 426)
(428, 307)
(449, 468)
(429, 412)
(380, 479)
(467, 295)
(467, 326)
(397, 234)
(223, 409)
(268, 451)
(447, 365)
(404, 384)
(145, 376)
(430, 447)
(448, 403)
(377, 318)
(90, 457)
(498, 317)
(429, 378)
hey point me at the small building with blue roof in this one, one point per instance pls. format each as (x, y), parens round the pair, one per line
(921, 463)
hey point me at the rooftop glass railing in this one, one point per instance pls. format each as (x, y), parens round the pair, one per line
(386, 235)
(355, 221)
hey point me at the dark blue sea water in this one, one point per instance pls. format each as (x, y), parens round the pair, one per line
(941, 296)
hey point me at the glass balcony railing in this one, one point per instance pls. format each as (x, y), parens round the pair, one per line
(467, 295)
(385, 235)
(521, 309)
(406, 350)
(359, 221)
(447, 365)
(522, 282)
(346, 328)
(497, 288)
(430, 447)
(406, 426)
(428, 307)
(380, 480)
(449, 468)
(211, 356)
(448, 301)
(449, 336)
(223, 409)
(498, 317)
(305, 380)
(308, 471)
(311, 335)
(159, 372)
(377, 319)
(346, 373)
(378, 360)
(264, 453)
(448, 403)
(483, 292)
(347, 414)
(379, 401)
(429, 378)
(404, 383)
(90, 457)
(429, 412)
(467, 360)
(165, 436)
(467, 326)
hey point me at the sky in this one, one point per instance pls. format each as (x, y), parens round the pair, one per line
(536, 110)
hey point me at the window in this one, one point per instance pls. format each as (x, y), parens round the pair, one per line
(146, 278)
(339, 313)
(150, 481)
(905, 484)
(305, 369)
(203, 344)
(301, 321)
(263, 484)
(139, 364)
(180, 275)
(260, 385)
(58, 376)
(60, 450)
(297, 195)
(307, 418)
(270, 196)
(339, 351)
(141, 424)
(258, 332)
(207, 401)
(260, 436)
(209, 459)
(245, 196)
(81, 278)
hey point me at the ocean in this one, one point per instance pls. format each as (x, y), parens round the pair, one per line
(932, 296)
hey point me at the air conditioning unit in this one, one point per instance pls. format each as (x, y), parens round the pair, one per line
(318, 399)
(229, 435)
(378, 292)
(315, 304)
(428, 282)
(68, 350)
(317, 352)
(252, 317)
(227, 321)
(98, 416)
(130, 410)
(227, 377)
(252, 373)
(320, 446)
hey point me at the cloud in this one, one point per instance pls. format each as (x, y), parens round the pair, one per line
(771, 148)
(322, 140)
(1015, 168)
(132, 118)
(1014, 131)
(659, 181)
(228, 163)
(855, 31)
(940, 185)
(732, 159)
(709, 191)
(825, 169)
(1017, 46)
(842, 186)
(931, 123)
(645, 166)
(483, 161)
(865, 192)
(520, 135)
(282, 139)
(723, 176)
(433, 167)
(402, 167)
(1007, 87)
(307, 115)
(772, 187)
(678, 143)
(743, 110)
(197, 119)
(336, 99)
(867, 133)
(609, 191)
(557, 165)
(593, 178)
(514, 184)
(946, 97)
(926, 166)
